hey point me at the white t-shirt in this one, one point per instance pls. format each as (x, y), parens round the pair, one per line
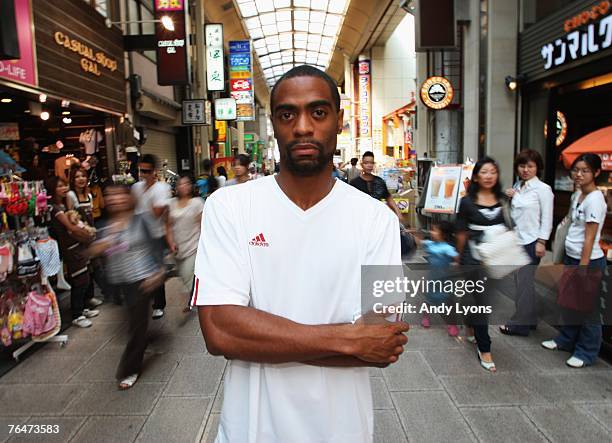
(259, 249)
(157, 196)
(185, 224)
(592, 209)
(221, 180)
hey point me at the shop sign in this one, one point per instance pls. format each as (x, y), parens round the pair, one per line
(221, 127)
(194, 112)
(442, 189)
(365, 100)
(9, 131)
(240, 74)
(241, 89)
(22, 70)
(91, 62)
(215, 74)
(587, 40)
(172, 63)
(593, 13)
(606, 162)
(225, 109)
(561, 128)
(437, 93)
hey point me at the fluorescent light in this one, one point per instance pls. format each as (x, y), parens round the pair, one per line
(167, 23)
(42, 98)
(67, 120)
(65, 112)
(6, 100)
(44, 115)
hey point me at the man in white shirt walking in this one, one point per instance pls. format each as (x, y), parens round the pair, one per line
(275, 299)
(153, 197)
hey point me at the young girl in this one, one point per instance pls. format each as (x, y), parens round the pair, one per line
(588, 214)
(440, 255)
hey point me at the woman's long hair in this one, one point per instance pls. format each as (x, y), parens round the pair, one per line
(51, 185)
(474, 187)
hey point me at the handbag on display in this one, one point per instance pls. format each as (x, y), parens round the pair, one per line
(558, 247)
(579, 288)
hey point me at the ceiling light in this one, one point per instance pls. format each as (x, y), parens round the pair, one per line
(42, 98)
(67, 120)
(44, 115)
(65, 112)
(167, 23)
(65, 103)
(6, 100)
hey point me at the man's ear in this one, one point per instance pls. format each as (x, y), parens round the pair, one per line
(340, 120)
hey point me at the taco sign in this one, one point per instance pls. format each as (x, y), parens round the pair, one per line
(437, 93)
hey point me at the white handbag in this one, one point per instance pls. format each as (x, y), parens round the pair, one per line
(499, 250)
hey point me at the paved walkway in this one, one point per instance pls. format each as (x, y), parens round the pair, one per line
(437, 392)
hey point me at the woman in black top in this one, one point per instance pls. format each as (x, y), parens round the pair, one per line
(483, 207)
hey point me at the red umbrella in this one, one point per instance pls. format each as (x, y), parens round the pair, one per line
(597, 142)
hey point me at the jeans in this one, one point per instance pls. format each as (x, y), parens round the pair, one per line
(584, 341)
(79, 292)
(138, 307)
(525, 314)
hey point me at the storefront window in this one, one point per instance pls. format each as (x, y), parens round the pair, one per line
(100, 5)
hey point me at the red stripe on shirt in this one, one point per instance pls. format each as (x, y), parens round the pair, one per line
(195, 292)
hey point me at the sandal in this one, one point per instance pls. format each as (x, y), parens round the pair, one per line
(511, 330)
(128, 382)
(488, 365)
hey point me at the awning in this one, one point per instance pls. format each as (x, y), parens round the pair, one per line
(597, 142)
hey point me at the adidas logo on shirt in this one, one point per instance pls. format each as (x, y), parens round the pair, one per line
(260, 240)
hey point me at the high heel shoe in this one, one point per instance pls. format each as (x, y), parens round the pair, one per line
(488, 365)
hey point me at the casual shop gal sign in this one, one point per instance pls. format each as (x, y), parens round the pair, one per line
(91, 62)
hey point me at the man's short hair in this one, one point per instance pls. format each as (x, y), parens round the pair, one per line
(367, 154)
(206, 164)
(354, 161)
(149, 159)
(308, 71)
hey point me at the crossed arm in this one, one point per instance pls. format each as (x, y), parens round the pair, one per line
(248, 334)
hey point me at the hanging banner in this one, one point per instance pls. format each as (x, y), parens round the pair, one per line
(22, 70)
(215, 73)
(241, 88)
(172, 60)
(442, 189)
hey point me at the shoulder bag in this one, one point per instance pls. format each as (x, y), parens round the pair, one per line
(558, 247)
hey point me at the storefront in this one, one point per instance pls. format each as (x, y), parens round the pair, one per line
(65, 97)
(565, 66)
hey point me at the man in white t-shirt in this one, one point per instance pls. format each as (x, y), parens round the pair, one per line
(153, 197)
(278, 289)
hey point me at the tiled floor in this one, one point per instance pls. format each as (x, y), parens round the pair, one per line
(437, 392)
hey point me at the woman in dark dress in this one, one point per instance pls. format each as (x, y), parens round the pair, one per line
(481, 209)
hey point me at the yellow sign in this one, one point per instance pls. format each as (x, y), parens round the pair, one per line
(403, 204)
(437, 93)
(221, 127)
(90, 61)
(236, 75)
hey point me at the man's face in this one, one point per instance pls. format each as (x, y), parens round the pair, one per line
(147, 172)
(367, 164)
(306, 124)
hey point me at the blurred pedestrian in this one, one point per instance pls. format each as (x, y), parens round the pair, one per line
(241, 170)
(482, 209)
(152, 198)
(440, 254)
(206, 182)
(183, 231)
(72, 240)
(588, 211)
(532, 213)
(135, 271)
(221, 176)
(351, 170)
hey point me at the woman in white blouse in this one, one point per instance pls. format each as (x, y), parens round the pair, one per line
(532, 213)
